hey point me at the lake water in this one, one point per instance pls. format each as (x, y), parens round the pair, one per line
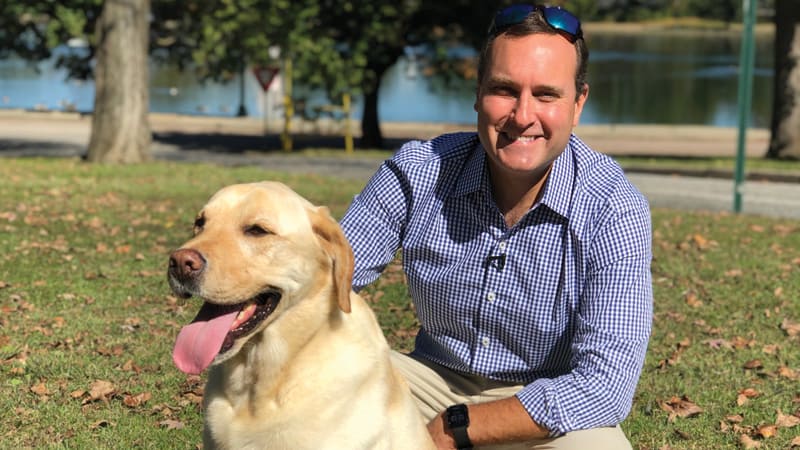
(634, 79)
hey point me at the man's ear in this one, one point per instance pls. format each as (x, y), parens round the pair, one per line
(338, 250)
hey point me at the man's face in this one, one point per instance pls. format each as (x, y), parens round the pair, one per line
(527, 104)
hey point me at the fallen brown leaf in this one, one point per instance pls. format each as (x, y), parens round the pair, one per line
(735, 418)
(100, 390)
(787, 420)
(719, 343)
(192, 398)
(117, 350)
(77, 394)
(95, 222)
(741, 429)
(740, 342)
(149, 273)
(672, 360)
(130, 366)
(749, 442)
(132, 401)
(172, 424)
(767, 431)
(701, 242)
(734, 273)
(745, 395)
(771, 349)
(40, 389)
(680, 407)
(683, 435)
(754, 364)
(692, 300)
(791, 328)
(749, 393)
(788, 372)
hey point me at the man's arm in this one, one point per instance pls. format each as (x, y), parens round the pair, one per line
(496, 422)
(612, 326)
(373, 224)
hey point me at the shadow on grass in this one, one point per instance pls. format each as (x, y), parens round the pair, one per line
(239, 143)
(706, 167)
(19, 148)
(188, 142)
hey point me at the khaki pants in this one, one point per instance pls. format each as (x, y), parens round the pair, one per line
(435, 388)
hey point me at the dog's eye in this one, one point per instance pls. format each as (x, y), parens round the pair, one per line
(199, 223)
(256, 231)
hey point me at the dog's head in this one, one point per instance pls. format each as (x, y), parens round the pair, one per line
(258, 249)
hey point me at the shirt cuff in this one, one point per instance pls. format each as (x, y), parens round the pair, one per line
(537, 398)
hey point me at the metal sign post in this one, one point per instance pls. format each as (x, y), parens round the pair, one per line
(745, 95)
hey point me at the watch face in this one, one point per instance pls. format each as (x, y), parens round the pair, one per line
(457, 416)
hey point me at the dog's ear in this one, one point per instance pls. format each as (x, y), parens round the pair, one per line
(336, 246)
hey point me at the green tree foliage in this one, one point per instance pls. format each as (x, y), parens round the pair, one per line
(33, 29)
(216, 37)
(335, 45)
(726, 10)
(372, 35)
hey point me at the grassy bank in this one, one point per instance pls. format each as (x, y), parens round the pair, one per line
(675, 24)
(88, 322)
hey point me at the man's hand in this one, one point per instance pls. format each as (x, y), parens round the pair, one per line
(441, 434)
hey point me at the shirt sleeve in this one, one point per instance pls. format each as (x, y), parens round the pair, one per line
(611, 331)
(374, 223)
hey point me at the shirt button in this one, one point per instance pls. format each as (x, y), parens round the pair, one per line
(502, 246)
(490, 297)
(485, 341)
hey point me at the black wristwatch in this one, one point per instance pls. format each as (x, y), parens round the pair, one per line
(457, 417)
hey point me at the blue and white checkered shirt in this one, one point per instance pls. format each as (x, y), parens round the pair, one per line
(561, 302)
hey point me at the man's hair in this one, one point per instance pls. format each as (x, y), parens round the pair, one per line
(535, 23)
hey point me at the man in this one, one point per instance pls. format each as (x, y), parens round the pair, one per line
(527, 255)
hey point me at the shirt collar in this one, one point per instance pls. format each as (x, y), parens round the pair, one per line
(557, 189)
(474, 173)
(559, 185)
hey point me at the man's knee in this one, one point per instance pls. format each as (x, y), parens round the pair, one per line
(606, 438)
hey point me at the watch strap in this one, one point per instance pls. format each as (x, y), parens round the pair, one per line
(462, 438)
(457, 421)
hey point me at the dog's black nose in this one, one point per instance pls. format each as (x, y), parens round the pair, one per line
(186, 263)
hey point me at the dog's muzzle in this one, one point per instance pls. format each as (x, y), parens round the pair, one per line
(186, 267)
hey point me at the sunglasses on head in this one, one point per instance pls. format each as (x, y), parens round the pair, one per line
(557, 17)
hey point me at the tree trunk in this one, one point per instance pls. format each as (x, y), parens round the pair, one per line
(120, 126)
(371, 136)
(785, 139)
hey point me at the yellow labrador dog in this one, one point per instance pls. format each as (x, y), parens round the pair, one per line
(297, 359)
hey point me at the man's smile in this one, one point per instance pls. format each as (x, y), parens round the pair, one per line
(506, 138)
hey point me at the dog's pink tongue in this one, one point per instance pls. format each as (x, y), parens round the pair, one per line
(199, 342)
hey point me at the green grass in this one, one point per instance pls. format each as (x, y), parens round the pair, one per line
(759, 165)
(84, 300)
(694, 164)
